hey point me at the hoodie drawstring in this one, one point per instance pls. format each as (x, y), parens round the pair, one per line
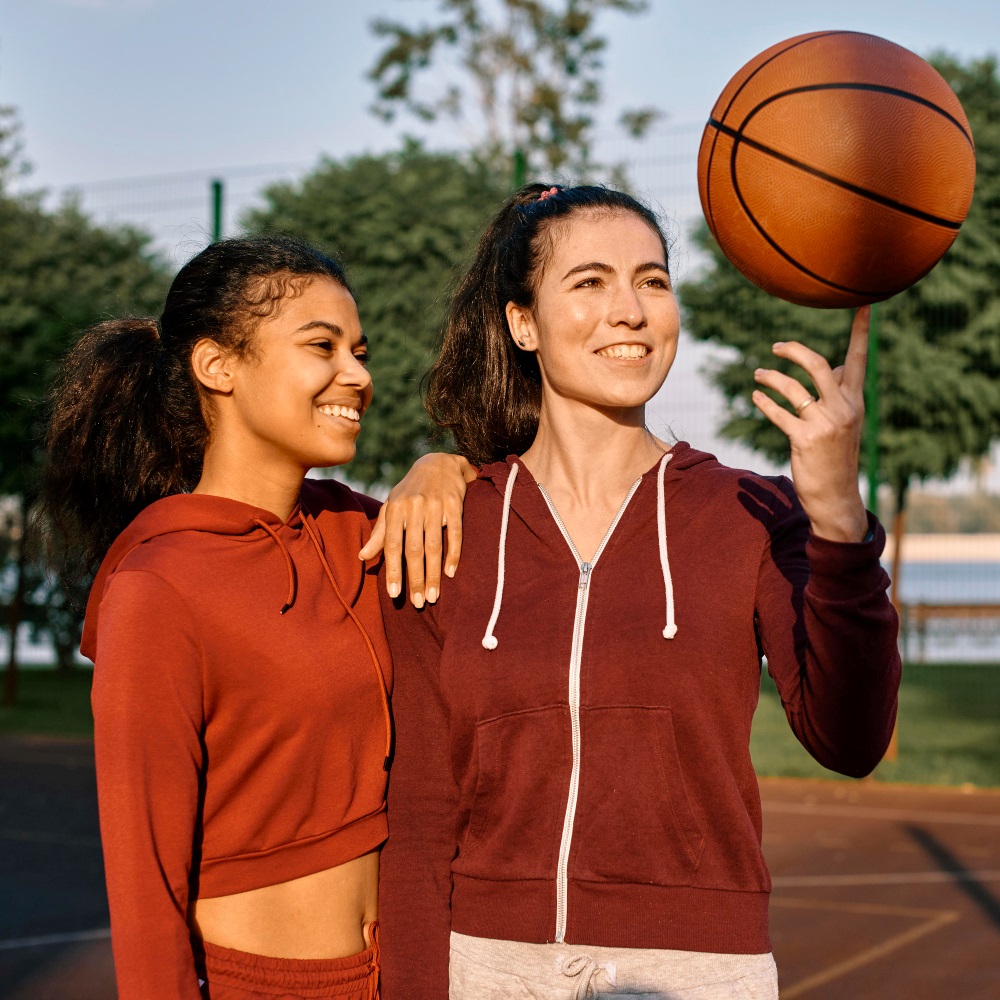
(289, 565)
(364, 635)
(490, 640)
(670, 629)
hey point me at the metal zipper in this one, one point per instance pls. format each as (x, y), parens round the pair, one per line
(575, 658)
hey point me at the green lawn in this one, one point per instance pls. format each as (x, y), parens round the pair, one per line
(949, 723)
(949, 729)
(51, 704)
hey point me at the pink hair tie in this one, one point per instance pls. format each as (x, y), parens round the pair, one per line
(551, 193)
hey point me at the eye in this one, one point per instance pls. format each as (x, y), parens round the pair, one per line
(362, 357)
(324, 345)
(658, 282)
(592, 282)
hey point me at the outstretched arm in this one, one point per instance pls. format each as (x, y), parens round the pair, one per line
(411, 522)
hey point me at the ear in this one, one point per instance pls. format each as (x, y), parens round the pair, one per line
(521, 323)
(212, 366)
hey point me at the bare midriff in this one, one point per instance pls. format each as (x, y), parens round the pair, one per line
(324, 915)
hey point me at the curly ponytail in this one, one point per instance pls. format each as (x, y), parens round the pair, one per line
(481, 387)
(127, 417)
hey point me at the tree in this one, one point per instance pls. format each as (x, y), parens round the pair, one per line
(939, 341)
(530, 76)
(402, 223)
(59, 273)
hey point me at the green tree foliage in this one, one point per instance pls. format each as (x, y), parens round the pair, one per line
(402, 223)
(528, 72)
(59, 273)
(939, 341)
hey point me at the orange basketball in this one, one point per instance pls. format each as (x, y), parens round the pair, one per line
(836, 169)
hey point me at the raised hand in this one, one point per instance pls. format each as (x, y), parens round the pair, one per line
(824, 432)
(428, 498)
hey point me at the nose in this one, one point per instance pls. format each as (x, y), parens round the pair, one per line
(626, 308)
(355, 375)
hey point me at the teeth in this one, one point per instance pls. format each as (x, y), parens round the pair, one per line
(336, 410)
(624, 351)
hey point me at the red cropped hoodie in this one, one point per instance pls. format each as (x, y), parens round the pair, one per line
(240, 712)
(572, 757)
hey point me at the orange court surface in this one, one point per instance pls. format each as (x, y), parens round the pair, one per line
(881, 891)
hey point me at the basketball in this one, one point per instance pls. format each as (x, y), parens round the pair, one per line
(836, 169)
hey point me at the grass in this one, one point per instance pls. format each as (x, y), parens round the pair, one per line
(948, 729)
(50, 703)
(949, 723)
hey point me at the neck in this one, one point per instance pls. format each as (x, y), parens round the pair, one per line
(264, 481)
(591, 456)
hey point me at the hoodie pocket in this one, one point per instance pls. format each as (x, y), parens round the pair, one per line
(634, 820)
(515, 813)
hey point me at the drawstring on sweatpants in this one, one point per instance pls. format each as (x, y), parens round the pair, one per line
(586, 971)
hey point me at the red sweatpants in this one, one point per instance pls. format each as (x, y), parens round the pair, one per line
(238, 975)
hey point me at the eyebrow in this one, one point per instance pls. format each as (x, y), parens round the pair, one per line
(322, 324)
(596, 265)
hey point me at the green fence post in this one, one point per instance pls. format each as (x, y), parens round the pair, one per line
(217, 190)
(872, 414)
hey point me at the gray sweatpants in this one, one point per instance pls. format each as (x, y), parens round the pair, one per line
(485, 969)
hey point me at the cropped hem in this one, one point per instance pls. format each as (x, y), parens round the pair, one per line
(614, 915)
(243, 872)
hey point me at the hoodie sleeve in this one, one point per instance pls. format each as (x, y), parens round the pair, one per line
(415, 872)
(829, 633)
(147, 701)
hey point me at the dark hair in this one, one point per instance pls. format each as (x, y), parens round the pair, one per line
(127, 421)
(481, 387)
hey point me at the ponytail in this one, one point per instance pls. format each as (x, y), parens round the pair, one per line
(481, 387)
(116, 441)
(127, 421)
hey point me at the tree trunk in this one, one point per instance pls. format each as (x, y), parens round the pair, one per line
(898, 531)
(14, 618)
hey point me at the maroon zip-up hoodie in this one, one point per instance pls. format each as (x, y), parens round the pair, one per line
(572, 740)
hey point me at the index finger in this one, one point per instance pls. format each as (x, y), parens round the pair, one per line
(857, 354)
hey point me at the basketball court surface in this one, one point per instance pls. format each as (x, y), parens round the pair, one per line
(880, 891)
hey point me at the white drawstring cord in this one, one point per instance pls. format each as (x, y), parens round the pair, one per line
(490, 640)
(661, 531)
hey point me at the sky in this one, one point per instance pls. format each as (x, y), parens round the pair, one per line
(110, 89)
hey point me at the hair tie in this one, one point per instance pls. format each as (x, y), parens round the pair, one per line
(551, 193)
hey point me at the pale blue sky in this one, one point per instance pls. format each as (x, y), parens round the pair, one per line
(116, 88)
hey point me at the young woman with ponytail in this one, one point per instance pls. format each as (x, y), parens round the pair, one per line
(572, 806)
(242, 676)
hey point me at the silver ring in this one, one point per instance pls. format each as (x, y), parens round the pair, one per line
(805, 402)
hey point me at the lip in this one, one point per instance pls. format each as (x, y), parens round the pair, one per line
(626, 343)
(343, 420)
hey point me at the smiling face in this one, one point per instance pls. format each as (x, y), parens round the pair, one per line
(604, 323)
(300, 397)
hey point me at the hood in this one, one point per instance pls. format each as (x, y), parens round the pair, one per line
(180, 512)
(668, 470)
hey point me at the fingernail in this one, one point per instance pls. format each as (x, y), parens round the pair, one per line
(418, 600)
(759, 372)
(449, 571)
(779, 343)
(432, 595)
(394, 590)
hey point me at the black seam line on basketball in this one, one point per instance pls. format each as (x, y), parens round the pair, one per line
(879, 199)
(871, 88)
(803, 41)
(711, 156)
(784, 253)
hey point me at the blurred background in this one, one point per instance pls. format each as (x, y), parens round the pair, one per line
(134, 132)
